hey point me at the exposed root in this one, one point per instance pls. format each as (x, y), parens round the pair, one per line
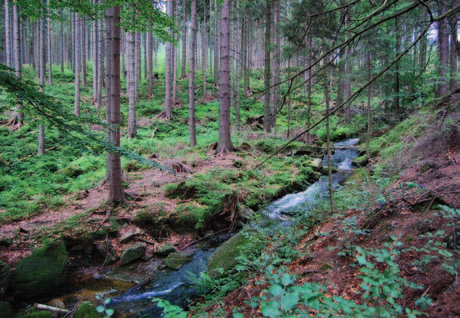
(178, 167)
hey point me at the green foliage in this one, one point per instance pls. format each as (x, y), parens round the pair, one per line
(107, 312)
(170, 311)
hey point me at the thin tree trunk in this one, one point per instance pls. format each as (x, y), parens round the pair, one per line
(77, 57)
(136, 66)
(238, 43)
(95, 58)
(131, 84)
(329, 152)
(174, 53)
(19, 115)
(62, 43)
(453, 53)
(244, 52)
(7, 36)
(184, 41)
(191, 89)
(168, 103)
(83, 51)
(225, 142)
(205, 50)
(42, 71)
(100, 62)
(310, 84)
(50, 52)
(149, 62)
(267, 69)
(369, 92)
(277, 63)
(397, 85)
(216, 44)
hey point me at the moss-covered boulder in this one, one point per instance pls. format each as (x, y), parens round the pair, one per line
(360, 161)
(176, 260)
(325, 170)
(5, 310)
(225, 257)
(87, 310)
(42, 272)
(131, 253)
(165, 250)
(4, 275)
(316, 164)
(36, 314)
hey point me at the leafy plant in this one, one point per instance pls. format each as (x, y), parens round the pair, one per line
(108, 312)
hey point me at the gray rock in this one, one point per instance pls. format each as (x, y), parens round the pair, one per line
(129, 232)
(132, 253)
(316, 164)
(176, 260)
(165, 250)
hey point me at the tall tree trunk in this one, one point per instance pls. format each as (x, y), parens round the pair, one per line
(19, 115)
(77, 57)
(225, 142)
(137, 68)
(50, 52)
(329, 152)
(205, 50)
(453, 53)
(310, 84)
(217, 36)
(95, 59)
(83, 51)
(443, 37)
(7, 36)
(184, 41)
(149, 62)
(238, 44)
(131, 84)
(174, 53)
(244, 52)
(191, 89)
(369, 92)
(42, 74)
(62, 43)
(100, 62)
(267, 69)
(113, 104)
(168, 102)
(397, 84)
(277, 63)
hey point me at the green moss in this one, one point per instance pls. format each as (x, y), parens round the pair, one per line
(87, 310)
(41, 272)
(225, 257)
(37, 314)
(176, 260)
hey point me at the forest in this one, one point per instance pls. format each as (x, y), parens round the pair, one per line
(229, 158)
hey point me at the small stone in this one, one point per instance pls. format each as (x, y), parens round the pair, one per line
(176, 260)
(132, 253)
(165, 250)
(129, 233)
(316, 164)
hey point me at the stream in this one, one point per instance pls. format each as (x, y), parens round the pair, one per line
(175, 286)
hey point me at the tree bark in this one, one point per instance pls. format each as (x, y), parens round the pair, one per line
(77, 58)
(329, 152)
(100, 62)
(168, 103)
(19, 115)
(131, 84)
(113, 103)
(267, 69)
(217, 36)
(7, 35)
(205, 51)
(225, 142)
(184, 41)
(443, 36)
(42, 74)
(191, 89)
(83, 51)
(149, 61)
(453, 53)
(277, 63)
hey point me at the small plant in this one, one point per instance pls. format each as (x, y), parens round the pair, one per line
(170, 310)
(108, 312)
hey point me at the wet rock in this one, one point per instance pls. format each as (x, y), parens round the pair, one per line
(42, 272)
(165, 250)
(313, 177)
(225, 257)
(129, 232)
(325, 170)
(316, 164)
(87, 310)
(176, 260)
(132, 253)
(5, 310)
(4, 275)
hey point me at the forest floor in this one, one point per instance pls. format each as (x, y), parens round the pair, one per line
(412, 217)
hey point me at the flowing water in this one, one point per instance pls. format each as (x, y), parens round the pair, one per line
(176, 287)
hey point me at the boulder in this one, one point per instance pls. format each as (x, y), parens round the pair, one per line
(42, 272)
(5, 310)
(176, 260)
(87, 310)
(360, 161)
(165, 250)
(225, 257)
(4, 275)
(132, 253)
(129, 232)
(316, 164)
(325, 170)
